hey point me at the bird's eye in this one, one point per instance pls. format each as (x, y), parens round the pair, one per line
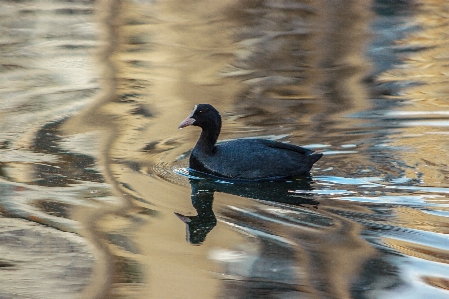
(201, 111)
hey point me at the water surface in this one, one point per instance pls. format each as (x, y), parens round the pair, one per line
(95, 201)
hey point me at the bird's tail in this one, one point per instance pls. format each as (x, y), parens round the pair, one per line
(314, 157)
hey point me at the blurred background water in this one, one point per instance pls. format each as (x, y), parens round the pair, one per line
(94, 199)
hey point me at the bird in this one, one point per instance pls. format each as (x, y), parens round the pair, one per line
(247, 159)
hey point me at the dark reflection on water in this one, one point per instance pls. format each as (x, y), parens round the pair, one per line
(197, 227)
(71, 168)
(202, 196)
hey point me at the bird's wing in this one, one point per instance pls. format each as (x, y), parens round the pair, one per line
(286, 146)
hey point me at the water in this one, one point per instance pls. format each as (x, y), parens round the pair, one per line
(95, 202)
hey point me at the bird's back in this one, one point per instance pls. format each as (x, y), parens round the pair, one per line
(255, 159)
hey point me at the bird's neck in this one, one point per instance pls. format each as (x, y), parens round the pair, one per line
(206, 143)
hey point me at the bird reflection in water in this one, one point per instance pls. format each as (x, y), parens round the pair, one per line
(202, 196)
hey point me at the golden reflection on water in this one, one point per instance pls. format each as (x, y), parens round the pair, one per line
(48, 75)
(250, 68)
(423, 118)
(293, 71)
(299, 71)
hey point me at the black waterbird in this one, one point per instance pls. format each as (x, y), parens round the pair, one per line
(243, 159)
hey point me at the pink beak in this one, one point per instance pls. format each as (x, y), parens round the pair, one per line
(186, 122)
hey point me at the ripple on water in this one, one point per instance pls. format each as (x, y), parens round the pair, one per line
(370, 222)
